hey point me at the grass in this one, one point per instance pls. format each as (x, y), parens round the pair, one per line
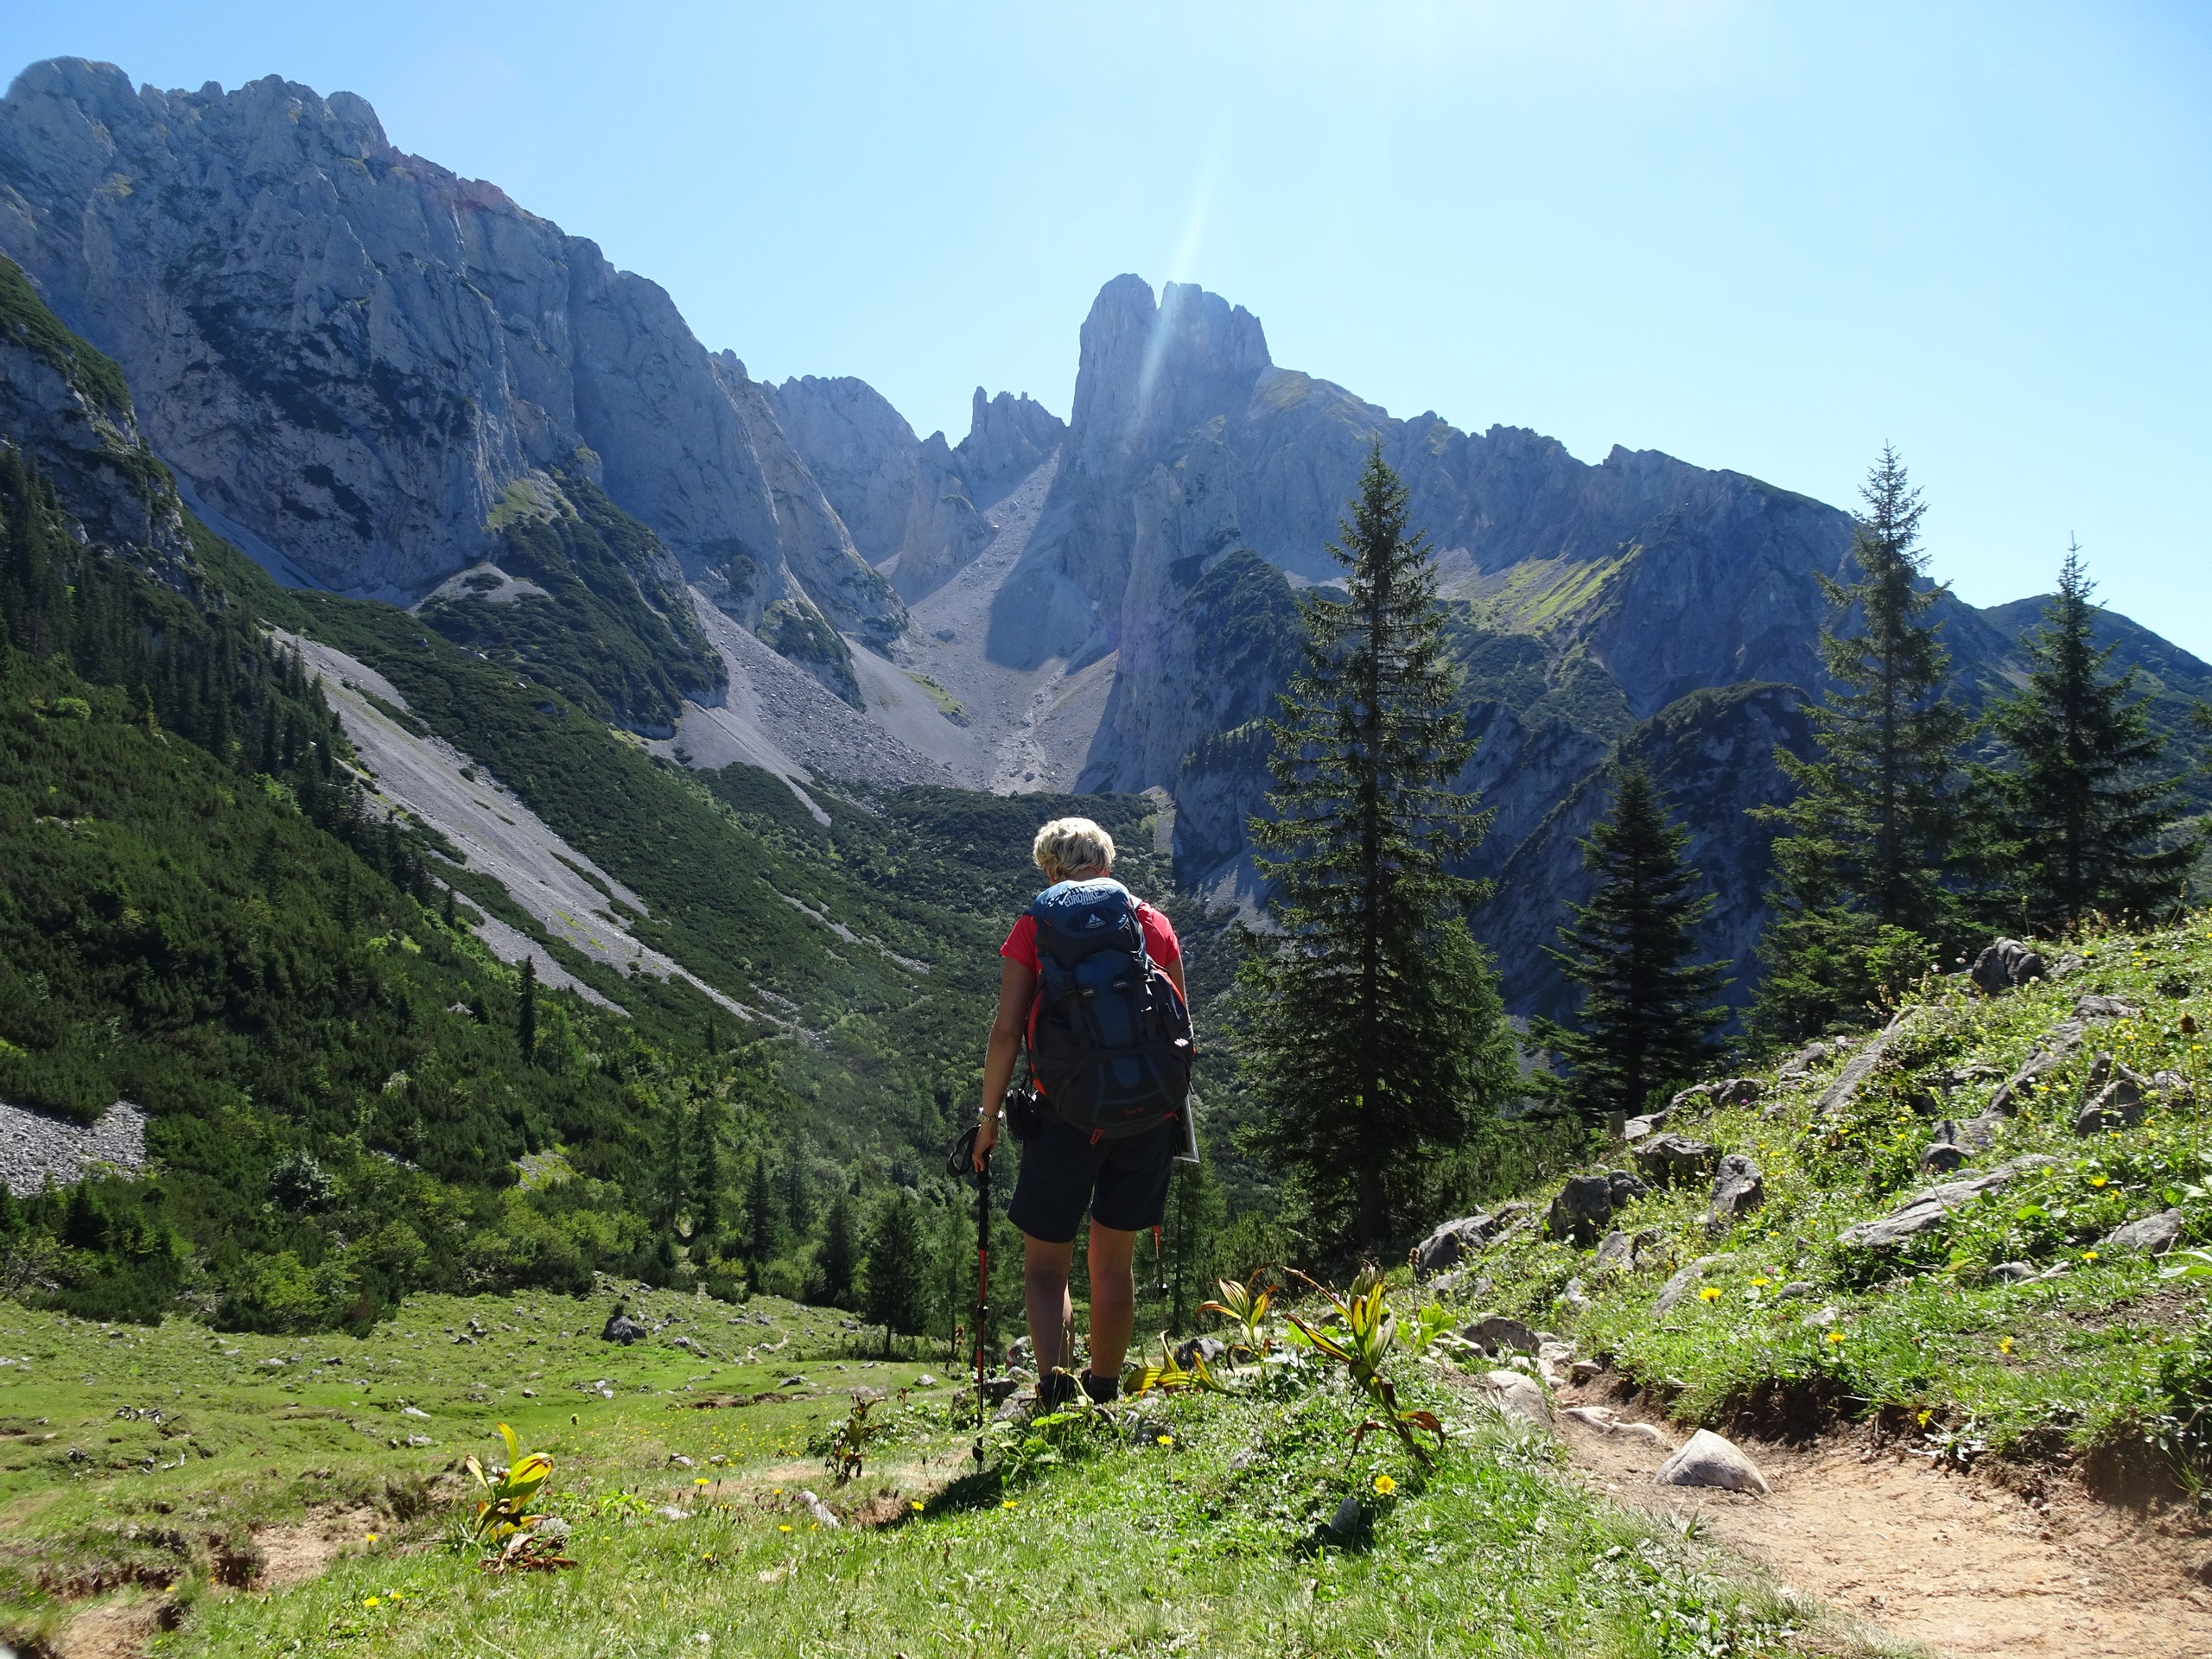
(2099, 1365)
(1187, 1525)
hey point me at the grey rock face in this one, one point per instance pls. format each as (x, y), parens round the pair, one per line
(1710, 1459)
(1581, 1209)
(1738, 1188)
(1671, 1160)
(1497, 1335)
(1943, 1153)
(1928, 1209)
(1450, 1243)
(1863, 1065)
(1624, 1252)
(2004, 965)
(2118, 1103)
(353, 354)
(620, 1327)
(2152, 1235)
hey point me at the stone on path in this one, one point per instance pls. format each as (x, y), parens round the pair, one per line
(1519, 1397)
(1710, 1459)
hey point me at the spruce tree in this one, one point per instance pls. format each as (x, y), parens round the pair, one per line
(1372, 1033)
(895, 1271)
(763, 1230)
(708, 1130)
(2083, 826)
(526, 1016)
(837, 1260)
(1647, 1018)
(1862, 893)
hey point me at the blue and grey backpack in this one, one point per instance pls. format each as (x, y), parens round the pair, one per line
(1109, 1036)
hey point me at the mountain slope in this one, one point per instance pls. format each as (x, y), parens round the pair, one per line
(355, 355)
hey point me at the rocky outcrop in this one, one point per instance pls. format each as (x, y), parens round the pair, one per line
(355, 354)
(1926, 1211)
(37, 1147)
(2004, 965)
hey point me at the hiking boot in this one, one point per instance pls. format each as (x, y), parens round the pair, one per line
(1055, 1390)
(1101, 1389)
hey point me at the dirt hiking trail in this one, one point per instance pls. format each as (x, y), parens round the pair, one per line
(1954, 1562)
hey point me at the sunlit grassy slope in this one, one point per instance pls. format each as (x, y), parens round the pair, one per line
(1189, 1525)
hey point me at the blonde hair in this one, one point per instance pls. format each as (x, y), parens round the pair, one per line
(1067, 845)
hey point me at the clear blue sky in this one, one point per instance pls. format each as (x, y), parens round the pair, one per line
(1764, 237)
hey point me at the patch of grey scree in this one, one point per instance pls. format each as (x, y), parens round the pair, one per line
(33, 1146)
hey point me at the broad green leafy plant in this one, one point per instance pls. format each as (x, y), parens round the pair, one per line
(1360, 1335)
(1246, 1306)
(505, 1525)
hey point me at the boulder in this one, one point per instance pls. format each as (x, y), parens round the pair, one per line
(1497, 1335)
(1943, 1153)
(1674, 1159)
(620, 1327)
(1804, 1059)
(1624, 1251)
(1738, 1188)
(1710, 1459)
(2003, 966)
(1451, 1243)
(2173, 1089)
(1925, 1211)
(1679, 1286)
(1519, 1397)
(1637, 1128)
(2117, 1105)
(1209, 1349)
(2011, 1273)
(2152, 1235)
(1581, 1209)
(2059, 1044)
(1623, 1188)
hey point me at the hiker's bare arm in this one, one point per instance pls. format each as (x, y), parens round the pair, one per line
(1017, 985)
(1174, 972)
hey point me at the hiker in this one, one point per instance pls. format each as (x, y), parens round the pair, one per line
(1107, 1130)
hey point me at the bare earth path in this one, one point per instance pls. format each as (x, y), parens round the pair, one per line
(1954, 1562)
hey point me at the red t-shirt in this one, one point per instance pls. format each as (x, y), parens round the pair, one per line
(1159, 940)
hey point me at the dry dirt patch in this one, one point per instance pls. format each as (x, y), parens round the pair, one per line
(297, 1551)
(1954, 1562)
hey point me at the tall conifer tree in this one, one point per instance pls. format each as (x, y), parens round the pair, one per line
(1861, 894)
(896, 1271)
(2084, 826)
(838, 1260)
(1648, 1017)
(526, 1016)
(1372, 1030)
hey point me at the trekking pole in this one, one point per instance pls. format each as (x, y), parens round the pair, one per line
(963, 1163)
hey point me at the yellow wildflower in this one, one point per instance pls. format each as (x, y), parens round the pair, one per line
(784, 1528)
(1006, 1502)
(1385, 1486)
(914, 1503)
(373, 1537)
(1710, 1293)
(1835, 1336)
(2097, 1180)
(2003, 1344)
(1166, 1439)
(371, 1601)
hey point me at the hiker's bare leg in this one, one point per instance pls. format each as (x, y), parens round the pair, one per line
(1113, 1297)
(1044, 1294)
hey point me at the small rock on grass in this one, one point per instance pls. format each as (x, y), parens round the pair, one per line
(1496, 1334)
(1709, 1459)
(2152, 1235)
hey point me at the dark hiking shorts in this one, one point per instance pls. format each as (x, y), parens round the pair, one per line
(1122, 1183)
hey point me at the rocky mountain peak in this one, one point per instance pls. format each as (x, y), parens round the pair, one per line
(1008, 438)
(1161, 367)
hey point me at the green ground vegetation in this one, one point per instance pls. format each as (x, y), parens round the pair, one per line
(2100, 1360)
(171, 1481)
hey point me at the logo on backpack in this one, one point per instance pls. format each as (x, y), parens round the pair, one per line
(1109, 1036)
